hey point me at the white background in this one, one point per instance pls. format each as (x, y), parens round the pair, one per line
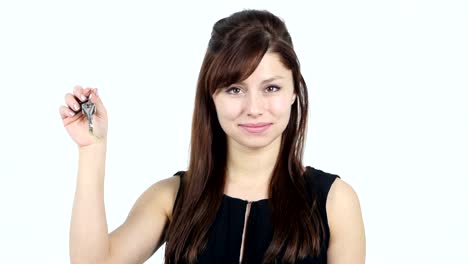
(387, 82)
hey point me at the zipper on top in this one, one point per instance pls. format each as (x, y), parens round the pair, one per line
(244, 232)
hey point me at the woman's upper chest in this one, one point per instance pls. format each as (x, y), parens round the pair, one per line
(242, 228)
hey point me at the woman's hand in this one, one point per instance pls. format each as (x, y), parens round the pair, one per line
(76, 123)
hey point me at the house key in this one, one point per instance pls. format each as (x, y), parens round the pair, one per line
(89, 109)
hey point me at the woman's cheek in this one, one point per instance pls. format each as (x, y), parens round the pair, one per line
(281, 105)
(230, 109)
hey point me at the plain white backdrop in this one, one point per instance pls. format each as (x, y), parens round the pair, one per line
(388, 95)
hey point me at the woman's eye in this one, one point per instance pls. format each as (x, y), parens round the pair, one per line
(272, 88)
(233, 90)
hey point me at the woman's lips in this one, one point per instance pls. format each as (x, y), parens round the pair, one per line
(256, 128)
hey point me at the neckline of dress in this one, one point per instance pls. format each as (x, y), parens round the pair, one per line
(243, 200)
(257, 201)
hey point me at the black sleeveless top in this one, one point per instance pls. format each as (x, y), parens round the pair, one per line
(225, 235)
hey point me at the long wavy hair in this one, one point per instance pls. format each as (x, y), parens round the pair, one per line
(237, 45)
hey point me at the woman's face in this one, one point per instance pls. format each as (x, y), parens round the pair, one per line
(255, 112)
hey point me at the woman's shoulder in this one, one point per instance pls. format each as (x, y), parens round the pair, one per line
(166, 192)
(347, 235)
(320, 181)
(331, 188)
(339, 203)
(330, 185)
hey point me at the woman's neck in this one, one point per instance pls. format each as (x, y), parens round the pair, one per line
(251, 167)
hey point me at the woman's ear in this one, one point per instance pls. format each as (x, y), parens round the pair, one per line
(293, 98)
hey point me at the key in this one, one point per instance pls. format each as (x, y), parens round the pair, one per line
(89, 109)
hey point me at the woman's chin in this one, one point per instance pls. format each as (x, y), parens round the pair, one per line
(255, 143)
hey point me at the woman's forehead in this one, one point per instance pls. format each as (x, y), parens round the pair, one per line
(269, 69)
(270, 65)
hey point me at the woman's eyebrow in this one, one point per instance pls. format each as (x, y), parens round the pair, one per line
(272, 79)
(276, 77)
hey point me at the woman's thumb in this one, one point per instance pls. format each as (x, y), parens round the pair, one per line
(95, 99)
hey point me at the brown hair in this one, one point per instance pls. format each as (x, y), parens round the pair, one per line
(237, 45)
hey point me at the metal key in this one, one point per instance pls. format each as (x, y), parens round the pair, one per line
(89, 109)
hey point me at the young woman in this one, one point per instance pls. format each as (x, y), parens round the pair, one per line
(246, 196)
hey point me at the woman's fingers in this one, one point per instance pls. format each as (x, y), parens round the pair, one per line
(72, 102)
(76, 123)
(79, 93)
(65, 112)
(79, 96)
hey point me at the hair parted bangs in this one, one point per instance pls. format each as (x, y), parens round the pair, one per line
(237, 60)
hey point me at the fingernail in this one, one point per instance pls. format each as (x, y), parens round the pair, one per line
(83, 98)
(90, 96)
(76, 107)
(71, 113)
(96, 91)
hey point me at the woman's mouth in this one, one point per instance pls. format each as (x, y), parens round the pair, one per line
(255, 128)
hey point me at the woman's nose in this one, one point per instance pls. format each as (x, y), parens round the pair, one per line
(255, 104)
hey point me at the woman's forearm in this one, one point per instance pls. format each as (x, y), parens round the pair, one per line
(89, 239)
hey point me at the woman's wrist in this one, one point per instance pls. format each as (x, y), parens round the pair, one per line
(98, 146)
